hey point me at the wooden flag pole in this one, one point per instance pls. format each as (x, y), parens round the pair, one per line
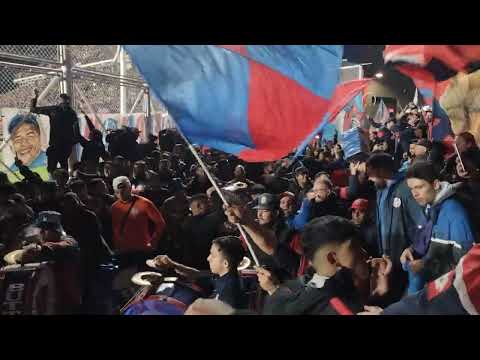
(217, 189)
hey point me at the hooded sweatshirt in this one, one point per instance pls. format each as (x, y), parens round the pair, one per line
(445, 236)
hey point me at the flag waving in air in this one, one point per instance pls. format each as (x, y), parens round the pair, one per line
(382, 114)
(431, 67)
(443, 61)
(350, 92)
(258, 102)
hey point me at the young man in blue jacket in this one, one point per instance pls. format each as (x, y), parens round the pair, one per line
(444, 235)
(396, 215)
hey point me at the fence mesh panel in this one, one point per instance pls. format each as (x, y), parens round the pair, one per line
(45, 52)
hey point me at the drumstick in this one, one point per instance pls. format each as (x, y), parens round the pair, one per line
(459, 157)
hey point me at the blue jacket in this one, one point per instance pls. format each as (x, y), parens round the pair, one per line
(298, 221)
(451, 234)
(396, 219)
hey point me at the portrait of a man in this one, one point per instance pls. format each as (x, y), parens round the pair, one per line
(25, 141)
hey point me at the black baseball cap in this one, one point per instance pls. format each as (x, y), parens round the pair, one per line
(267, 202)
(301, 171)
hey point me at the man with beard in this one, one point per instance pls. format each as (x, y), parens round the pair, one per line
(269, 235)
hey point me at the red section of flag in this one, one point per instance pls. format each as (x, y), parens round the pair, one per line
(343, 94)
(456, 57)
(279, 105)
(340, 307)
(471, 278)
(440, 285)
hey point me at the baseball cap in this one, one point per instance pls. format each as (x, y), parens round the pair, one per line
(360, 204)
(119, 180)
(50, 220)
(266, 202)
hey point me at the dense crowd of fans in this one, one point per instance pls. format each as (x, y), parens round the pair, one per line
(331, 235)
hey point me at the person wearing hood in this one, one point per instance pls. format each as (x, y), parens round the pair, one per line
(445, 234)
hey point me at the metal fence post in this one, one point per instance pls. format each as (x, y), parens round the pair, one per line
(66, 87)
(123, 89)
(148, 110)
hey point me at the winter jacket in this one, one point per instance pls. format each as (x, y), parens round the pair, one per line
(396, 216)
(64, 127)
(299, 220)
(336, 296)
(331, 206)
(451, 234)
(299, 193)
(360, 191)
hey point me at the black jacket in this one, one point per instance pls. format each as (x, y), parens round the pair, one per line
(85, 228)
(92, 150)
(299, 193)
(63, 123)
(360, 191)
(297, 298)
(331, 206)
(227, 288)
(197, 234)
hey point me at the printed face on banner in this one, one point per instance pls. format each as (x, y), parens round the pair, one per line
(25, 137)
(26, 142)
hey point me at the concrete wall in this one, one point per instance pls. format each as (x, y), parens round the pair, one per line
(393, 85)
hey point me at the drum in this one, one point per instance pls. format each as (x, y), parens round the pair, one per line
(27, 289)
(171, 297)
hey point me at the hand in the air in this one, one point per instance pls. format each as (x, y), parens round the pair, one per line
(354, 167)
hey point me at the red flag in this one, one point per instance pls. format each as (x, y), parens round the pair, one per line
(442, 60)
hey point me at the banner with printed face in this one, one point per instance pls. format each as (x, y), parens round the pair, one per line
(25, 136)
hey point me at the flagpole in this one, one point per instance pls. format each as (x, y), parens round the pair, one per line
(217, 188)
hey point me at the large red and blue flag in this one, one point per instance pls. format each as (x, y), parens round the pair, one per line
(345, 94)
(442, 61)
(258, 102)
(431, 67)
(431, 91)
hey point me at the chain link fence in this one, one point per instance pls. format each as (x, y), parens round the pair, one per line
(34, 52)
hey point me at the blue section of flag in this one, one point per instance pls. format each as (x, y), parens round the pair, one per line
(200, 79)
(302, 64)
(426, 92)
(359, 102)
